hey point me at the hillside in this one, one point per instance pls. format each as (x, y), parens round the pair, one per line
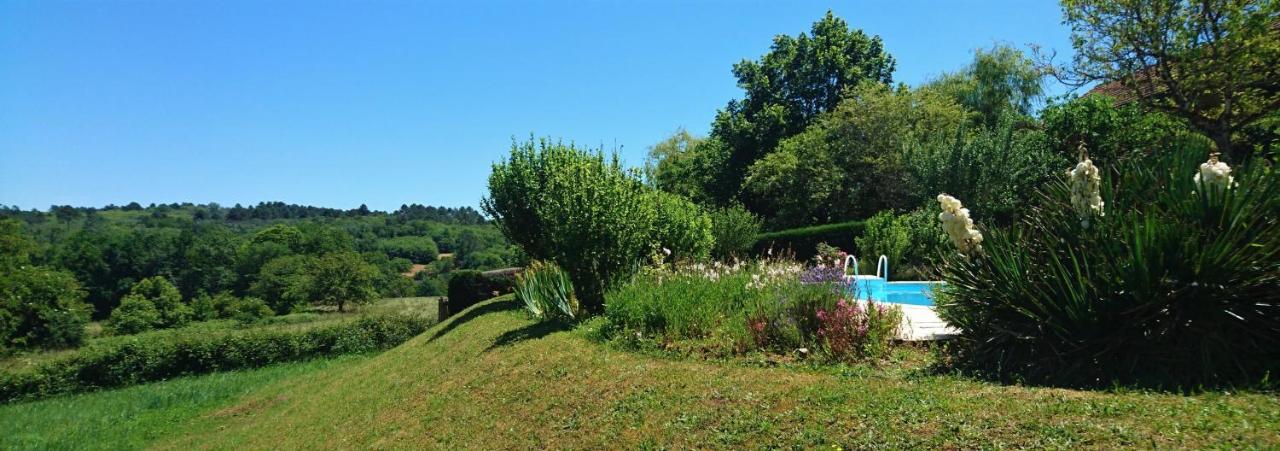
(489, 378)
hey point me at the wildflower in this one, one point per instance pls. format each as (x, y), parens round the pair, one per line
(959, 226)
(1086, 196)
(1215, 173)
(666, 252)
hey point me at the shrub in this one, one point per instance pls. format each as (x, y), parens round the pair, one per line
(803, 242)
(573, 207)
(547, 292)
(1175, 285)
(734, 230)
(467, 287)
(134, 314)
(226, 306)
(249, 310)
(166, 299)
(682, 227)
(40, 308)
(852, 331)
(163, 355)
(912, 241)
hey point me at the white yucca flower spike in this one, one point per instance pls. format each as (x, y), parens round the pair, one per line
(959, 226)
(1086, 188)
(1215, 174)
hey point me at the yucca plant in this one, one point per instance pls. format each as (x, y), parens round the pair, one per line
(1173, 284)
(547, 292)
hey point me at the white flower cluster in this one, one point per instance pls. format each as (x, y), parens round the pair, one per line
(1215, 174)
(1086, 195)
(959, 226)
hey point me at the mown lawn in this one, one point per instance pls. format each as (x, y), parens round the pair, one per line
(130, 418)
(488, 378)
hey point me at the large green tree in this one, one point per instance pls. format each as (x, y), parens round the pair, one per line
(1213, 63)
(799, 79)
(343, 278)
(999, 80)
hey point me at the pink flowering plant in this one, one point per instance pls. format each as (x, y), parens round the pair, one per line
(853, 331)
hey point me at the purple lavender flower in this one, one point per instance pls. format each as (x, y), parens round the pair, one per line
(822, 275)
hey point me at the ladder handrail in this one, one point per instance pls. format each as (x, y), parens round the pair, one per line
(845, 268)
(884, 259)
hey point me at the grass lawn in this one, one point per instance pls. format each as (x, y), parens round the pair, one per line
(489, 378)
(129, 418)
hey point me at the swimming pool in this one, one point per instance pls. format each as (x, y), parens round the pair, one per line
(881, 290)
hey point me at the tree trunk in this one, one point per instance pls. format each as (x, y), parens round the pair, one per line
(340, 305)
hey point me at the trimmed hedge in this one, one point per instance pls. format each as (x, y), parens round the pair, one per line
(804, 241)
(152, 358)
(467, 287)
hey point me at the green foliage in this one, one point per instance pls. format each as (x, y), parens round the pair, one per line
(1113, 134)
(682, 227)
(851, 162)
(1175, 286)
(1210, 63)
(803, 241)
(995, 171)
(734, 230)
(547, 292)
(998, 81)
(134, 314)
(40, 308)
(914, 242)
(799, 79)
(166, 299)
(163, 356)
(418, 249)
(467, 287)
(343, 278)
(15, 246)
(226, 306)
(285, 283)
(573, 207)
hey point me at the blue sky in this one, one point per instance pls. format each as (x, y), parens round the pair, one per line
(341, 103)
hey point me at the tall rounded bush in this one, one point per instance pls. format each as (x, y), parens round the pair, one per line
(682, 227)
(40, 308)
(1177, 284)
(734, 230)
(573, 207)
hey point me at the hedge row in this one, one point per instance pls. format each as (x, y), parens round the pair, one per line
(804, 241)
(467, 287)
(166, 356)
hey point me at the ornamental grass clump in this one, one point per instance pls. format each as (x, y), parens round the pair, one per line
(1178, 286)
(547, 292)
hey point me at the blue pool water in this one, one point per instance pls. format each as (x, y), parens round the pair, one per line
(880, 290)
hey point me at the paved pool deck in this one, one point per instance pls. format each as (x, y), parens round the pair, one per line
(921, 323)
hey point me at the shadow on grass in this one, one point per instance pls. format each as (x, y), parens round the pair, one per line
(530, 332)
(474, 312)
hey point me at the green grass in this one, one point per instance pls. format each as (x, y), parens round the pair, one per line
(132, 417)
(491, 378)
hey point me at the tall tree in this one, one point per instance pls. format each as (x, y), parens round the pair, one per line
(800, 78)
(1213, 63)
(998, 80)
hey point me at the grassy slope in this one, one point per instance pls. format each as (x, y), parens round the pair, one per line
(129, 418)
(488, 378)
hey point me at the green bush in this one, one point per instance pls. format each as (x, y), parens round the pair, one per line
(734, 230)
(166, 299)
(467, 287)
(912, 241)
(1175, 286)
(226, 306)
(249, 310)
(285, 283)
(682, 227)
(40, 308)
(134, 314)
(803, 242)
(159, 356)
(576, 208)
(546, 292)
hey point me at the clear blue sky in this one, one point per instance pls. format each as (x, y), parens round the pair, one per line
(341, 103)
